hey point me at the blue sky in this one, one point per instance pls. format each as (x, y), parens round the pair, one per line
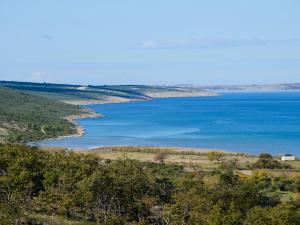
(150, 42)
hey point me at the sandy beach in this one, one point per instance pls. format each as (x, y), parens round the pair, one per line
(148, 97)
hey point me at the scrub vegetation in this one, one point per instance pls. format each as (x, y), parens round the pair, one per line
(25, 117)
(60, 187)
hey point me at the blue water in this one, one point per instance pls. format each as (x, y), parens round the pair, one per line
(242, 122)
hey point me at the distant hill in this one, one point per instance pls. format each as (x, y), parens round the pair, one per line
(254, 87)
(26, 117)
(80, 94)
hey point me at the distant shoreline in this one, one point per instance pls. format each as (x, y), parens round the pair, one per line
(116, 100)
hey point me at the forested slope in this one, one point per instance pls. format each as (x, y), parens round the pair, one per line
(26, 117)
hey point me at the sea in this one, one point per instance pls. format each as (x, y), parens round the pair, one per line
(250, 122)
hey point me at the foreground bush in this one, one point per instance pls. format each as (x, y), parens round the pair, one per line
(62, 187)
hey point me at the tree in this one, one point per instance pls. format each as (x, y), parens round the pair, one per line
(82, 187)
(160, 158)
(215, 156)
(283, 214)
(266, 161)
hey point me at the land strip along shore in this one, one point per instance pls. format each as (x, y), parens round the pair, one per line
(148, 97)
(189, 158)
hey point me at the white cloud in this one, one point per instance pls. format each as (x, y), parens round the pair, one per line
(203, 43)
(150, 44)
(38, 76)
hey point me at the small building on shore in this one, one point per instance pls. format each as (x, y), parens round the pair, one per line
(288, 157)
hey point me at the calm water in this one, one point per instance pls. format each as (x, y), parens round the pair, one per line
(247, 122)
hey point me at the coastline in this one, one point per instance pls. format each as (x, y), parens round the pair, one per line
(79, 130)
(150, 97)
(109, 100)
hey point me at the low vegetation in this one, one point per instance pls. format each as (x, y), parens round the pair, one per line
(26, 117)
(61, 187)
(266, 161)
(201, 159)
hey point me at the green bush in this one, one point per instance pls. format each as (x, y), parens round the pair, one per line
(63, 187)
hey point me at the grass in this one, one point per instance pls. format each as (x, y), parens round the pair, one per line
(286, 173)
(25, 117)
(56, 220)
(287, 196)
(188, 158)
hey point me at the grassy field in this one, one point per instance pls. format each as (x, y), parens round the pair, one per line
(189, 158)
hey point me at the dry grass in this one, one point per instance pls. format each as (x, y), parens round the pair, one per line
(186, 157)
(285, 173)
(189, 158)
(56, 220)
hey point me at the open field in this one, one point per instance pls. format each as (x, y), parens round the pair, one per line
(189, 158)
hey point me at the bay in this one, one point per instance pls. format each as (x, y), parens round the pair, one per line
(240, 122)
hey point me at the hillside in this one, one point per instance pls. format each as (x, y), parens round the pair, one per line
(78, 94)
(26, 117)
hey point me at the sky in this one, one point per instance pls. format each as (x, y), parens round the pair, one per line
(150, 42)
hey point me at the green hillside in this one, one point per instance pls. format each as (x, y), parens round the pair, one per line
(26, 117)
